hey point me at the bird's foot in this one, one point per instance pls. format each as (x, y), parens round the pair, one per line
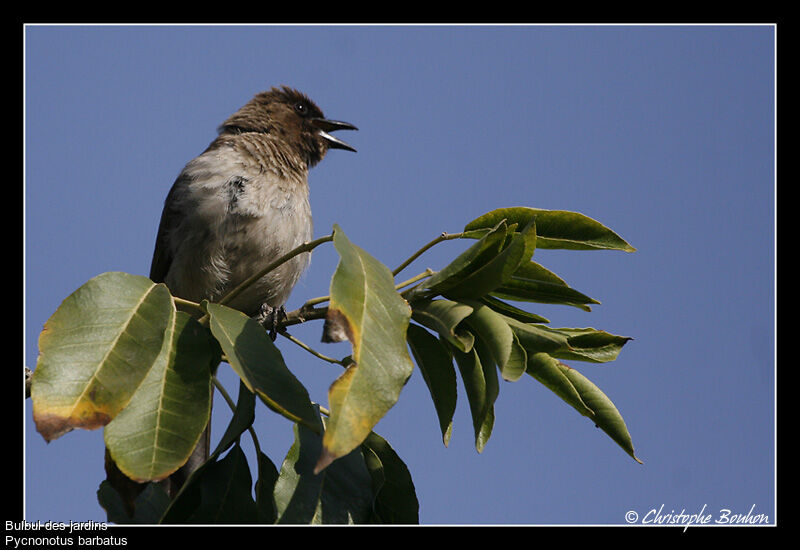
(270, 318)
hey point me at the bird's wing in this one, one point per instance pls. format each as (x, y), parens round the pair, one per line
(170, 217)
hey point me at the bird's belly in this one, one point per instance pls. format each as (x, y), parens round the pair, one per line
(250, 244)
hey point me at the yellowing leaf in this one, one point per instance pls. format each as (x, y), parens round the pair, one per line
(96, 350)
(374, 317)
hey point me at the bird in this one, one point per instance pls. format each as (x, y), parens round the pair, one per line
(244, 202)
(238, 206)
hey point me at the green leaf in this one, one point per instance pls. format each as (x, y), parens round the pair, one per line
(96, 350)
(511, 311)
(588, 344)
(466, 263)
(546, 370)
(592, 402)
(556, 228)
(497, 270)
(501, 343)
(340, 494)
(156, 433)
(189, 497)
(444, 317)
(533, 283)
(148, 505)
(265, 488)
(243, 416)
(436, 366)
(535, 338)
(482, 388)
(226, 492)
(111, 501)
(259, 363)
(366, 306)
(396, 499)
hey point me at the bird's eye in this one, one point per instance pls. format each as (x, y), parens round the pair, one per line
(301, 108)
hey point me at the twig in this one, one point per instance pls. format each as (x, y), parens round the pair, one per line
(424, 275)
(186, 303)
(418, 253)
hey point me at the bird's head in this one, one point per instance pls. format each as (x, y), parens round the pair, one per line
(292, 117)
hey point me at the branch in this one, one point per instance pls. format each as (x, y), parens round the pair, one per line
(303, 314)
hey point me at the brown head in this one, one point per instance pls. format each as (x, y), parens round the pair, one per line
(291, 116)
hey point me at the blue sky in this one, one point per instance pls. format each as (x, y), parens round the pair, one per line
(664, 133)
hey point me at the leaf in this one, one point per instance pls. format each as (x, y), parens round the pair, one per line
(375, 317)
(480, 382)
(588, 344)
(501, 343)
(556, 228)
(533, 283)
(596, 405)
(111, 501)
(225, 492)
(340, 494)
(96, 350)
(444, 316)
(497, 270)
(156, 433)
(396, 499)
(265, 487)
(149, 504)
(535, 338)
(243, 417)
(189, 497)
(511, 311)
(467, 262)
(546, 370)
(259, 363)
(436, 366)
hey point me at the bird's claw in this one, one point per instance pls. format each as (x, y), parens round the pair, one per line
(270, 318)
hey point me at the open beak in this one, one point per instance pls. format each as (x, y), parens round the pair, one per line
(326, 126)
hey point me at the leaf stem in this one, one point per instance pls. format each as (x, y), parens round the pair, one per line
(425, 274)
(418, 253)
(187, 303)
(315, 301)
(311, 350)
